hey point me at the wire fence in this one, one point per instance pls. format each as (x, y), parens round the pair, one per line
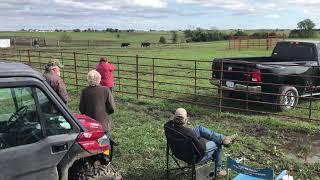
(196, 81)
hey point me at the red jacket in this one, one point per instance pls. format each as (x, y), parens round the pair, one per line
(106, 71)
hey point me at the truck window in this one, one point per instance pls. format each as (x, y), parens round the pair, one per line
(19, 122)
(294, 52)
(55, 123)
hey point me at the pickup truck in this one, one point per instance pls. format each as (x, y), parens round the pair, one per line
(291, 72)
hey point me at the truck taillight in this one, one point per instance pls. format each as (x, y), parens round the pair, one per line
(256, 75)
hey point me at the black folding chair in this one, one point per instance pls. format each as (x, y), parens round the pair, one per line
(181, 147)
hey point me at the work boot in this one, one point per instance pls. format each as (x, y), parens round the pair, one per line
(228, 140)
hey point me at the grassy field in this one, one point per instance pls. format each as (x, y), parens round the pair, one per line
(266, 141)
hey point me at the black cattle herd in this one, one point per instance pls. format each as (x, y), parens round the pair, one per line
(143, 44)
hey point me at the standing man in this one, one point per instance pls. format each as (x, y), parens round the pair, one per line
(106, 70)
(52, 76)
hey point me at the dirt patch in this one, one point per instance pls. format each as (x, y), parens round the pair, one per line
(295, 145)
(304, 148)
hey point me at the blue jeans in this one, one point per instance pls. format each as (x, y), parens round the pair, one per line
(213, 146)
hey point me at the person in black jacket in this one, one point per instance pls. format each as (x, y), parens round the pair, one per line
(208, 142)
(96, 101)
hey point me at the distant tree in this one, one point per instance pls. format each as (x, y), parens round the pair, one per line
(112, 30)
(76, 30)
(162, 40)
(295, 34)
(306, 27)
(202, 35)
(174, 37)
(65, 38)
(240, 33)
(260, 35)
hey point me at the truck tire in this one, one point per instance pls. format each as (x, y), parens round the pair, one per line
(101, 172)
(287, 99)
(225, 93)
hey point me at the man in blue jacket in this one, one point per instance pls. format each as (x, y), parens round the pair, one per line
(208, 142)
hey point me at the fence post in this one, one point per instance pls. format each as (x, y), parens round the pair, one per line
(310, 102)
(39, 60)
(29, 58)
(75, 69)
(137, 76)
(152, 77)
(247, 89)
(195, 77)
(20, 55)
(61, 56)
(14, 42)
(220, 87)
(88, 62)
(119, 83)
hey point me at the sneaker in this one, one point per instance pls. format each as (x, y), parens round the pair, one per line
(222, 173)
(228, 140)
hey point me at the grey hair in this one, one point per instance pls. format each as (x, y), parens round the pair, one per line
(93, 78)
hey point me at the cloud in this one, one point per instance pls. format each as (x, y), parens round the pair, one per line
(272, 16)
(86, 13)
(249, 7)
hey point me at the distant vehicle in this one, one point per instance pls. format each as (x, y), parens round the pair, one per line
(125, 44)
(145, 44)
(292, 71)
(40, 138)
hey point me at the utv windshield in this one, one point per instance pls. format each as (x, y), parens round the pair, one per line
(294, 51)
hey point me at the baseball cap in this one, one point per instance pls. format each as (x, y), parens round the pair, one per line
(181, 116)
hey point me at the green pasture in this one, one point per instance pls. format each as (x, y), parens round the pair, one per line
(265, 140)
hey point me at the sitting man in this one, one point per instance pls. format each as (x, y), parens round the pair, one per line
(208, 142)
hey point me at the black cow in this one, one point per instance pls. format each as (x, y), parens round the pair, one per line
(125, 44)
(145, 44)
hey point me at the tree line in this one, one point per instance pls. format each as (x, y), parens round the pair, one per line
(305, 29)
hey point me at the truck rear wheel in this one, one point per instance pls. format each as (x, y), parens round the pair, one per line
(287, 98)
(101, 172)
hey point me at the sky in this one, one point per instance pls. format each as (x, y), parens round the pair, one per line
(156, 14)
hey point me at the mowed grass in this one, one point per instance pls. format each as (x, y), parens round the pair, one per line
(266, 141)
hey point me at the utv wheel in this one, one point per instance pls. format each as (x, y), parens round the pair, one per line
(102, 172)
(288, 98)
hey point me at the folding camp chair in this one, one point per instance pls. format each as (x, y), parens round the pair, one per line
(250, 173)
(180, 147)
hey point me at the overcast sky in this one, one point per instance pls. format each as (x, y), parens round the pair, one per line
(156, 14)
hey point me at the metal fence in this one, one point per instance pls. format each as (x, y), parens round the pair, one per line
(17, 41)
(185, 81)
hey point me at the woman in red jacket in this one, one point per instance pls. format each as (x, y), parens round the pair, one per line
(106, 70)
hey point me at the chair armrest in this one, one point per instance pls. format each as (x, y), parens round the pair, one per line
(283, 173)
